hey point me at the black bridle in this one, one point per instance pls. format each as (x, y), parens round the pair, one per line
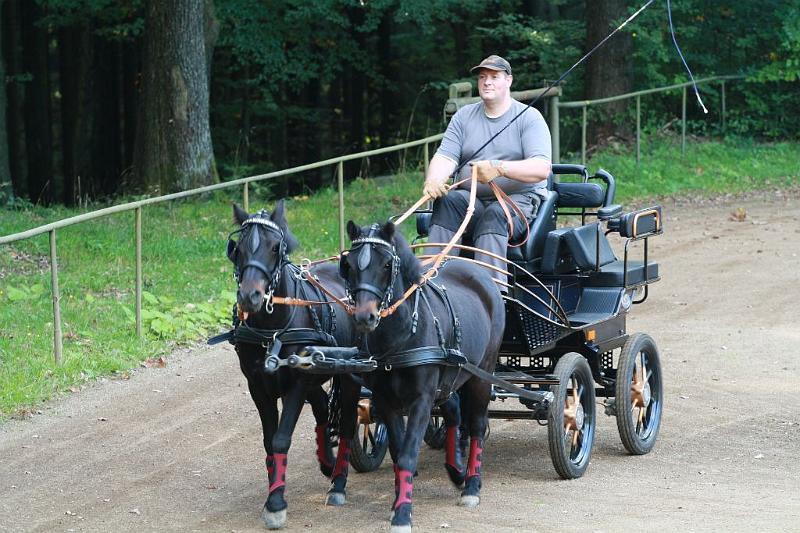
(362, 247)
(249, 232)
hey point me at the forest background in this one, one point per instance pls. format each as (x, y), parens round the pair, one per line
(104, 98)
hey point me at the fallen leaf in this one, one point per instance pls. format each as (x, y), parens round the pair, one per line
(739, 215)
(154, 362)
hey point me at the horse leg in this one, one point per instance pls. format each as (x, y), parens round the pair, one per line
(418, 416)
(319, 406)
(395, 428)
(477, 396)
(266, 403)
(274, 512)
(454, 459)
(349, 393)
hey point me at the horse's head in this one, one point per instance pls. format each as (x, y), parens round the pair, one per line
(378, 268)
(259, 254)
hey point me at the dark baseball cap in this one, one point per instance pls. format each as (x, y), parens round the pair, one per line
(493, 62)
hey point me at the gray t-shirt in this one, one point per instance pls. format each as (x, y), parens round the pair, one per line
(470, 128)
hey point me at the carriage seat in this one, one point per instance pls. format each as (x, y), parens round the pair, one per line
(575, 250)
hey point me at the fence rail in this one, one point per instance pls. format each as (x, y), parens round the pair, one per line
(137, 206)
(584, 104)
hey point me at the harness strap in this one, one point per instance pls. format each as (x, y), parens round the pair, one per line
(246, 334)
(424, 355)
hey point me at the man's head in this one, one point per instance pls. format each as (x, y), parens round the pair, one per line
(494, 79)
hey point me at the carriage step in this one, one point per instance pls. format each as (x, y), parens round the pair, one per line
(523, 378)
(513, 415)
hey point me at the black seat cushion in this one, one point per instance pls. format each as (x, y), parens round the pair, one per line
(611, 275)
(553, 256)
(582, 244)
(571, 194)
(543, 224)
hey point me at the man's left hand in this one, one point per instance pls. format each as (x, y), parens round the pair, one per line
(486, 171)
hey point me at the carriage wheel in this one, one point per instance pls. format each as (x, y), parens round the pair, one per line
(435, 433)
(371, 440)
(639, 394)
(571, 418)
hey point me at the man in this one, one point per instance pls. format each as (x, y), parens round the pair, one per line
(518, 160)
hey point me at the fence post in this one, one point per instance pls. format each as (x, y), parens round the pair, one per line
(57, 340)
(723, 106)
(683, 123)
(138, 232)
(246, 197)
(583, 137)
(340, 172)
(554, 133)
(427, 158)
(638, 128)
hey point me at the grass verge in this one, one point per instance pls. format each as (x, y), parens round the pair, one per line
(188, 281)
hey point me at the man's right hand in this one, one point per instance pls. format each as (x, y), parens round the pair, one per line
(435, 188)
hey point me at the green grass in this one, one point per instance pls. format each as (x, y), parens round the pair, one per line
(188, 279)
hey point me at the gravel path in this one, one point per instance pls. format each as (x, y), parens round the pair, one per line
(179, 448)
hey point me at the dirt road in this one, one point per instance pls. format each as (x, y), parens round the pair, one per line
(179, 448)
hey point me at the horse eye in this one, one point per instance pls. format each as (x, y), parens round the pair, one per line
(276, 248)
(388, 264)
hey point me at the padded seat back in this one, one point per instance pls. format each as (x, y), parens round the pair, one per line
(544, 223)
(582, 245)
(580, 195)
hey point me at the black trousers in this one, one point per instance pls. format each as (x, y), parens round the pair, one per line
(488, 226)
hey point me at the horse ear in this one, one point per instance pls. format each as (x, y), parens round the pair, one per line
(353, 231)
(278, 215)
(388, 231)
(239, 215)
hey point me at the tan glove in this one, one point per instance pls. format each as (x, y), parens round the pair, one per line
(487, 170)
(435, 188)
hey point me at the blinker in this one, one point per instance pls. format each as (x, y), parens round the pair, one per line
(364, 257)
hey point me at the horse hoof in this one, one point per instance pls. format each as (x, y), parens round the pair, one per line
(401, 529)
(336, 498)
(469, 501)
(274, 520)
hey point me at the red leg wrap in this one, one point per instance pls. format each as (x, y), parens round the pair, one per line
(322, 442)
(450, 447)
(270, 467)
(342, 458)
(404, 481)
(280, 461)
(475, 451)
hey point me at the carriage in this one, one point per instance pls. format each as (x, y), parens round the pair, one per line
(566, 341)
(555, 341)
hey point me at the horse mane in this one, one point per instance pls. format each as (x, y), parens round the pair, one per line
(409, 264)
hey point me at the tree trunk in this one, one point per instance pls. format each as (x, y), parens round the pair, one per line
(387, 87)
(6, 188)
(131, 65)
(38, 136)
(173, 141)
(107, 134)
(608, 72)
(75, 54)
(12, 55)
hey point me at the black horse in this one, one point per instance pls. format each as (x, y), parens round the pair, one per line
(423, 349)
(264, 271)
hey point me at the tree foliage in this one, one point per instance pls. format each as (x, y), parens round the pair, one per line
(294, 81)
